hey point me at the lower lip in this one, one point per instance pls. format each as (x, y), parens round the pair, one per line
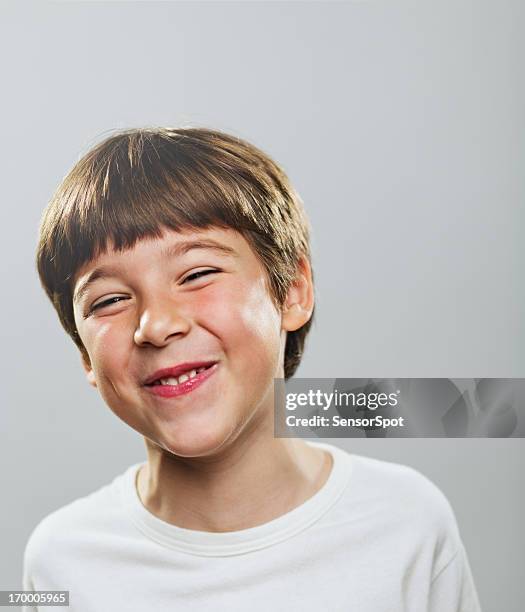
(183, 388)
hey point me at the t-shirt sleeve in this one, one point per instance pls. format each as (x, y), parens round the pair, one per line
(453, 589)
(450, 586)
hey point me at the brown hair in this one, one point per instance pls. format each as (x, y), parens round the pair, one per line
(138, 182)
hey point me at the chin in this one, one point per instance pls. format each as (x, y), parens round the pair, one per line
(195, 444)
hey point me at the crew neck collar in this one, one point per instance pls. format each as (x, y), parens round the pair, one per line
(218, 544)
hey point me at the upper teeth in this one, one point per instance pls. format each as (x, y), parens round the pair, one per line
(180, 379)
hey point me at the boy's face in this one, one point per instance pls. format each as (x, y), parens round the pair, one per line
(159, 305)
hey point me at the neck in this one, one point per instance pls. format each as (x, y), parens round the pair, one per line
(247, 484)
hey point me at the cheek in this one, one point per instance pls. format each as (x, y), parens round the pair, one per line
(106, 349)
(243, 317)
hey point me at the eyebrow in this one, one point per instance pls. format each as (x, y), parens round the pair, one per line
(181, 248)
(174, 250)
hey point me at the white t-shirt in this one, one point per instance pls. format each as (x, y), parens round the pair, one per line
(377, 537)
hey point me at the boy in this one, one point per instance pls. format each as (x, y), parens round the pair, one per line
(178, 260)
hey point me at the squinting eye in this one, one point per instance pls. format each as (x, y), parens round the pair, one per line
(113, 300)
(196, 275)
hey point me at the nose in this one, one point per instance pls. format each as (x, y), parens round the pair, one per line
(160, 321)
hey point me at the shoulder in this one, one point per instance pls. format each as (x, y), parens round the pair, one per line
(74, 517)
(400, 483)
(404, 497)
(74, 523)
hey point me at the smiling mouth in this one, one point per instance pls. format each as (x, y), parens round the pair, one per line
(166, 388)
(177, 380)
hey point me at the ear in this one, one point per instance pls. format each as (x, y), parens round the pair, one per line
(86, 364)
(299, 303)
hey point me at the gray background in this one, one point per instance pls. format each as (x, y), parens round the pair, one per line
(401, 125)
